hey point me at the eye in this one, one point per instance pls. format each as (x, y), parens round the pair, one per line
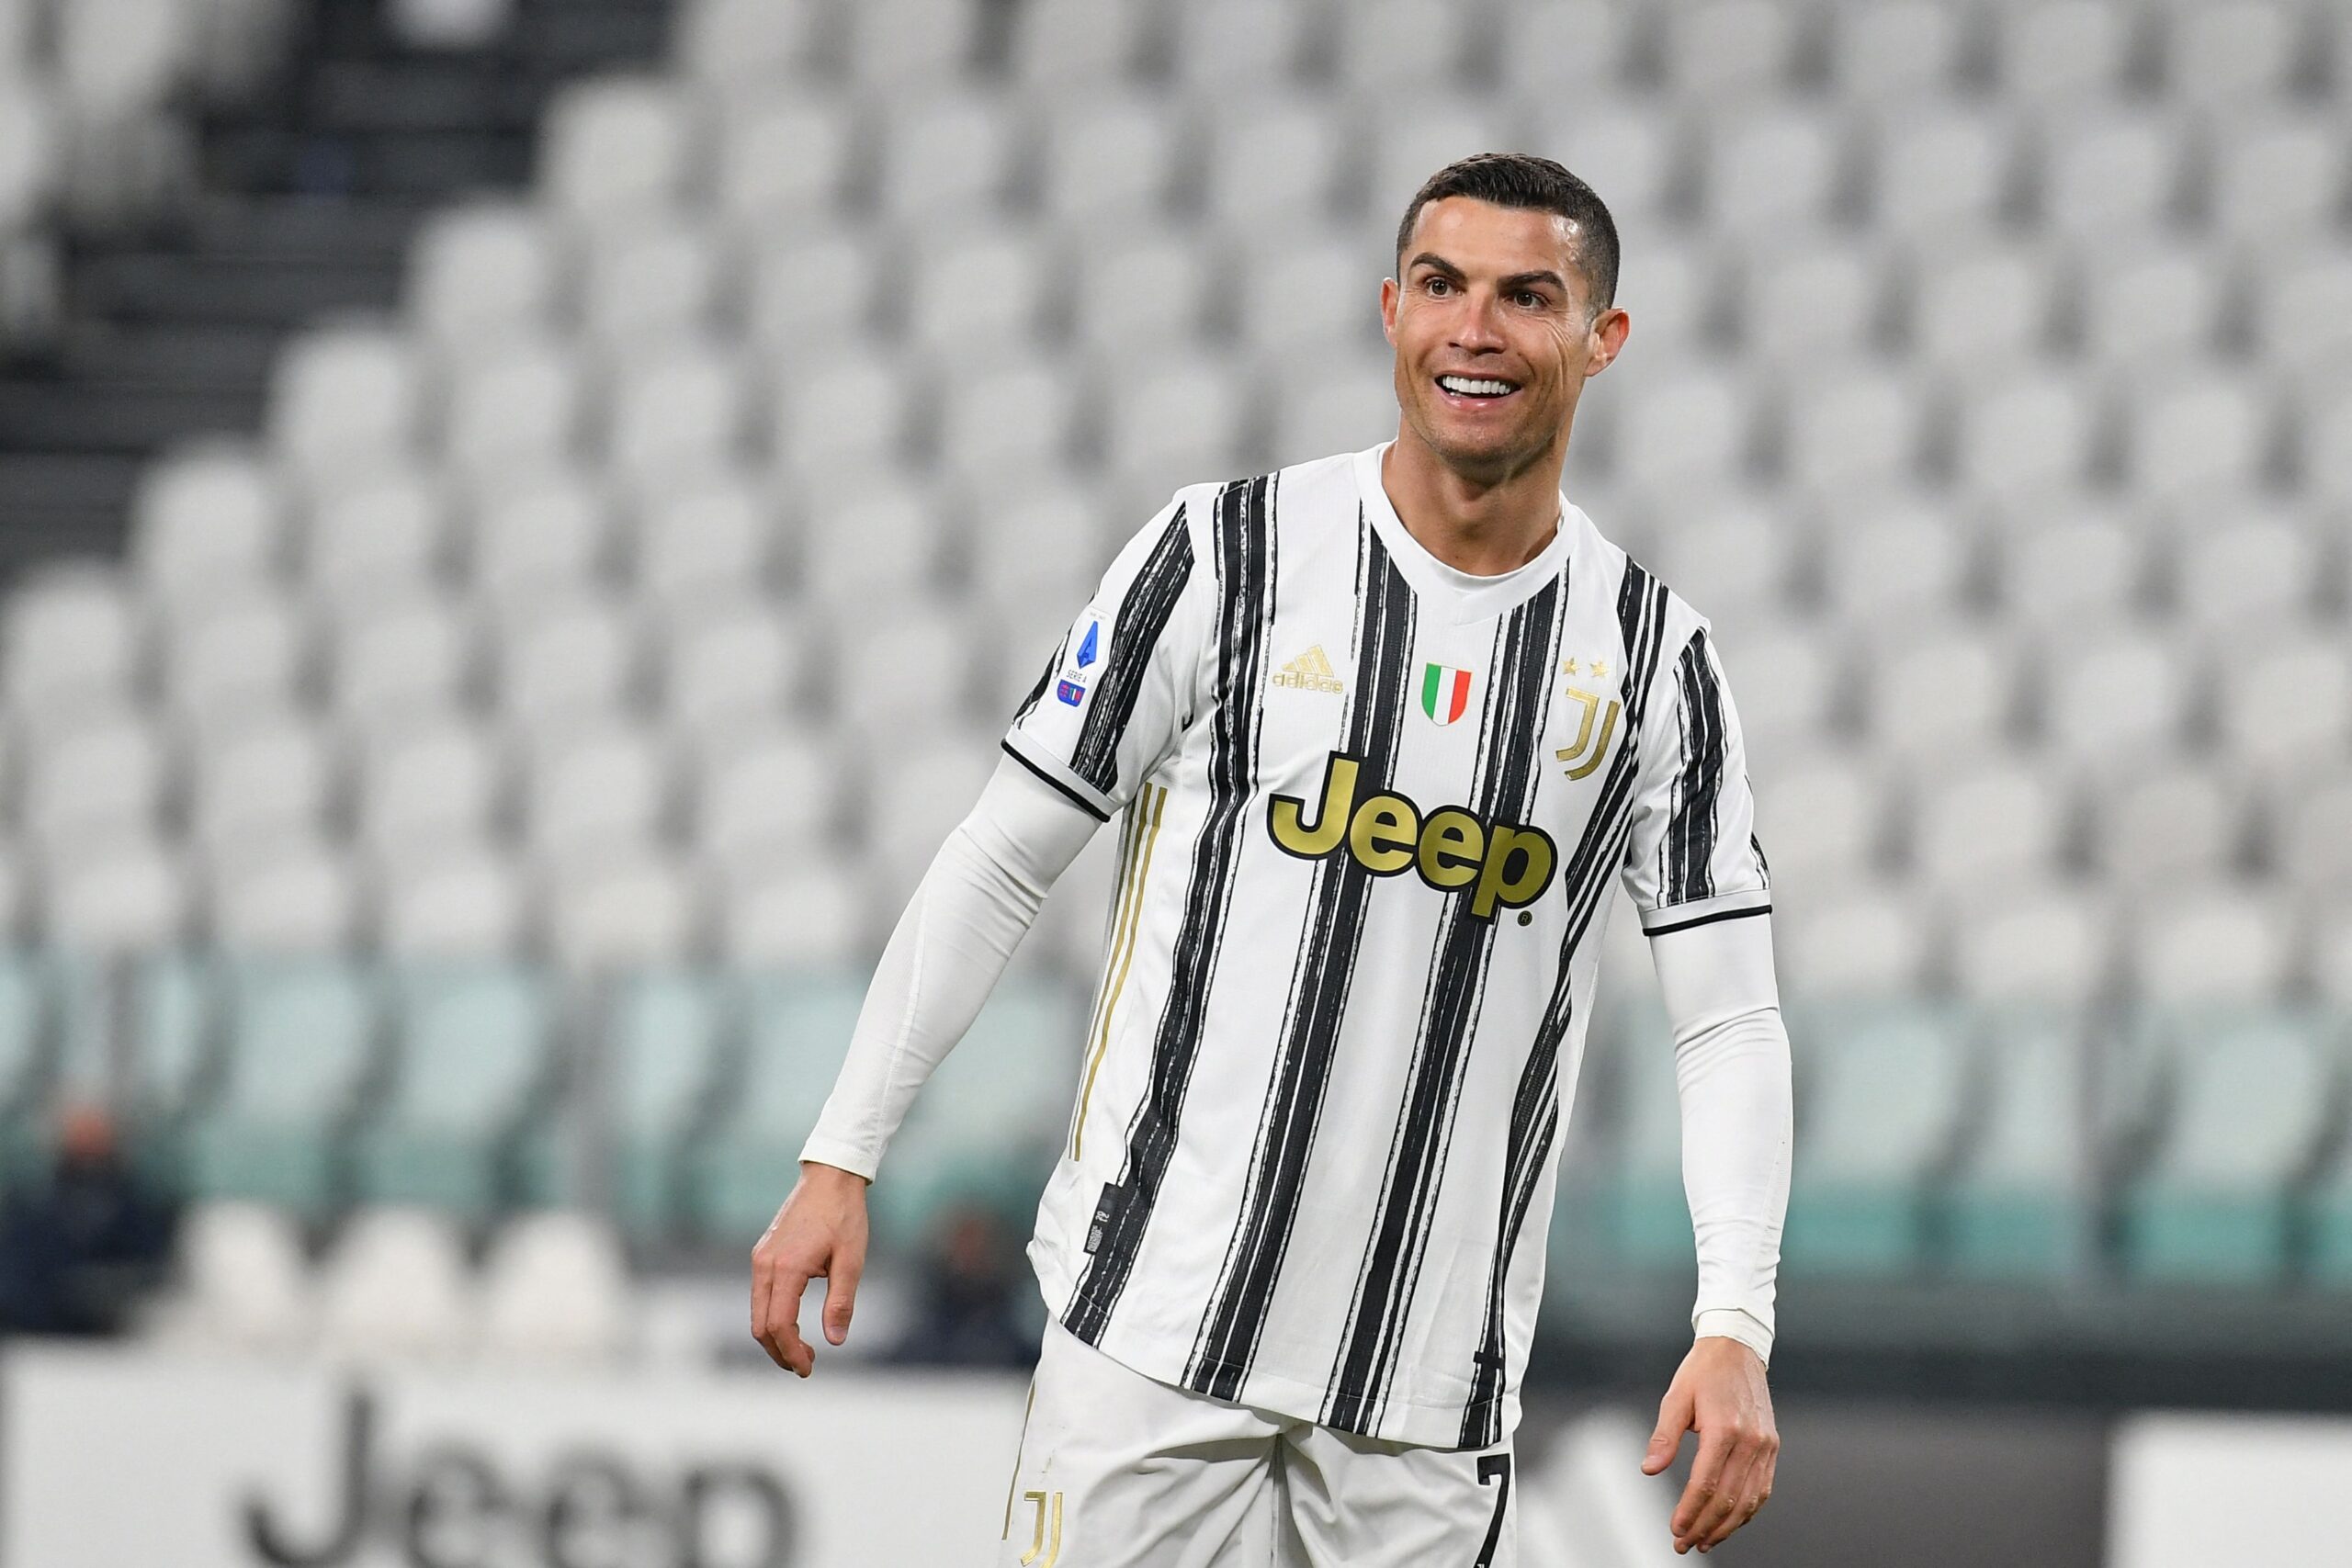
(1436, 285)
(1529, 299)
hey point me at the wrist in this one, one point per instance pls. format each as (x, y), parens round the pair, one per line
(1731, 1322)
(816, 1173)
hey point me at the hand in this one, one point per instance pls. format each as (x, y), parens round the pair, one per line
(1719, 1389)
(818, 1232)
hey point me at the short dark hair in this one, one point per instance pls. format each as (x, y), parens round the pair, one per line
(1521, 179)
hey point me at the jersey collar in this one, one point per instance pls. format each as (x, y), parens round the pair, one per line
(1461, 596)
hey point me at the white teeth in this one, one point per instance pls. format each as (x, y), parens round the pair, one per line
(1465, 387)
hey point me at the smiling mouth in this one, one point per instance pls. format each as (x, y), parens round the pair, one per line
(1476, 387)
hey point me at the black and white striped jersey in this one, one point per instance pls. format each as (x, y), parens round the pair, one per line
(1368, 808)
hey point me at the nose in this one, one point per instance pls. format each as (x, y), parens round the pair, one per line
(1474, 328)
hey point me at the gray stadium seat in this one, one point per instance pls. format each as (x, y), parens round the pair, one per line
(1270, 160)
(676, 415)
(1717, 49)
(898, 44)
(1018, 417)
(749, 42)
(1777, 165)
(627, 911)
(1405, 48)
(106, 776)
(1224, 45)
(1823, 815)
(344, 404)
(265, 779)
(2115, 699)
(1903, 54)
(428, 787)
(1055, 42)
(605, 791)
(395, 1284)
(1108, 157)
(866, 536)
(2149, 308)
(2284, 703)
(1791, 693)
(2310, 831)
(783, 162)
(1939, 694)
(1854, 427)
(2046, 945)
(2180, 824)
(482, 271)
(1867, 941)
(207, 515)
(2276, 178)
(2255, 568)
(251, 649)
(1940, 171)
(576, 661)
(73, 633)
(1980, 827)
(731, 663)
(1798, 299)
(2229, 53)
(650, 283)
(711, 541)
(381, 540)
(1979, 305)
(2063, 52)
(2085, 568)
(518, 405)
(408, 656)
(946, 157)
(456, 901)
(2210, 945)
(287, 895)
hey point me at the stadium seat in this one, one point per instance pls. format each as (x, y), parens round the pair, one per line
(1184, 420)
(2324, 450)
(799, 330)
(705, 543)
(123, 893)
(384, 539)
(1942, 170)
(1045, 537)
(554, 1288)
(797, 1030)
(651, 282)
(2216, 434)
(1335, 400)
(206, 516)
(1055, 42)
(2082, 570)
(2035, 945)
(898, 44)
(1822, 814)
(1877, 1118)
(1413, 136)
(1987, 824)
(1109, 157)
(1867, 941)
(344, 405)
(2258, 568)
(2026, 436)
(472, 1051)
(1941, 693)
(2309, 838)
(1716, 50)
(867, 538)
(1021, 416)
(946, 157)
(300, 1036)
(247, 649)
(2115, 699)
(2178, 824)
(244, 1282)
(2017, 1206)
(1906, 54)
(2147, 308)
(2249, 1092)
(1548, 50)
(764, 797)
(600, 791)
(858, 412)
(481, 272)
(457, 901)
(901, 672)
(73, 635)
(2277, 177)
(437, 783)
(1632, 154)
(1783, 164)
(961, 328)
(809, 913)
(1269, 162)
(1234, 44)
(2065, 52)
(1739, 558)
(740, 662)
(1907, 564)
(288, 895)
(912, 804)
(1145, 288)
(104, 777)
(1693, 425)
(2212, 944)
(783, 162)
(617, 148)
(1979, 298)
(2234, 53)
(2286, 705)
(619, 909)
(2301, 310)
(1801, 299)
(1311, 295)
(394, 1285)
(733, 43)
(574, 663)
(1789, 690)
(404, 658)
(681, 410)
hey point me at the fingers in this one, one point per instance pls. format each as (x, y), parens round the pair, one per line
(775, 1317)
(1755, 1491)
(1701, 1496)
(1728, 1510)
(1674, 1414)
(841, 1294)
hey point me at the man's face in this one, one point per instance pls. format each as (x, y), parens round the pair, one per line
(1494, 333)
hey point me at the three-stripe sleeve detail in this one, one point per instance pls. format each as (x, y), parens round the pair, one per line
(1505, 778)
(1143, 614)
(1329, 943)
(1242, 536)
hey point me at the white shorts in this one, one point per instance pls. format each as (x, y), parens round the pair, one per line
(1118, 1470)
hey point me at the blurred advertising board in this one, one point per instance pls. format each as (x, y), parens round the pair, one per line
(2218, 1491)
(110, 1456)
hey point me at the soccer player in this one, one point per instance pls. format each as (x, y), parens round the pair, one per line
(1377, 731)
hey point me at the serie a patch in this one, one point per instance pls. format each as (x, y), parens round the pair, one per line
(1070, 691)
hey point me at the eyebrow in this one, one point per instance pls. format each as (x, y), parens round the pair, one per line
(1515, 280)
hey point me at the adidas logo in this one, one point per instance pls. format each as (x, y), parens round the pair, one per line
(1310, 671)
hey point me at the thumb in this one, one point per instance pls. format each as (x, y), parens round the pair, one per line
(840, 1299)
(1674, 1414)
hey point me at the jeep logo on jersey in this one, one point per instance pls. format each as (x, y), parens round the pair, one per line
(1505, 864)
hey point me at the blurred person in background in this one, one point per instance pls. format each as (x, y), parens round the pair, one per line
(81, 1247)
(969, 1312)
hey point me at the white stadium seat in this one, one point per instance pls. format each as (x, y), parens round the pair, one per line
(2180, 823)
(619, 147)
(1869, 942)
(2109, 173)
(344, 404)
(292, 896)
(206, 516)
(377, 541)
(1941, 695)
(713, 539)
(682, 410)
(1979, 307)
(2211, 943)
(395, 1285)
(1310, 298)
(273, 779)
(480, 272)
(244, 650)
(1229, 44)
(732, 662)
(648, 285)
(1107, 157)
(1903, 52)
(1715, 50)
(1854, 427)
(911, 43)
(1938, 173)
(803, 916)
(766, 798)
(1147, 290)
(2062, 51)
(783, 161)
(2309, 837)
(1019, 416)
(2048, 945)
(2036, 431)
(865, 538)
(1405, 48)
(2087, 567)
(458, 902)
(1056, 42)
(595, 795)
(1903, 565)
(413, 654)
(1799, 299)
(2116, 699)
(519, 405)
(104, 778)
(243, 1283)
(2276, 178)
(554, 1288)
(438, 784)
(2214, 433)
(2150, 309)
(1821, 815)
(1271, 161)
(573, 660)
(1630, 152)
(1778, 165)
(2283, 703)
(946, 157)
(2235, 573)
(72, 632)
(116, 896)
(540, 535)
(759, 42)
(2229, 52)
(1986, 824)
(1413, 136)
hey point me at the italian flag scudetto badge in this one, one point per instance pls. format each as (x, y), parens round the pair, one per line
(1445, 691)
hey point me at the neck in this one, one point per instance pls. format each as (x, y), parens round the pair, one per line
(1482, 526)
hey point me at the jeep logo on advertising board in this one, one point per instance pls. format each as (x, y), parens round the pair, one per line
(451, 1504)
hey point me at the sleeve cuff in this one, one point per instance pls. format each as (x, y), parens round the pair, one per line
(1731, 1322)
(847, 1157)
(1701, 911)
(1059, 774)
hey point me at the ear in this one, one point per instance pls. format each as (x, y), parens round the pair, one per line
(1389, 294)
(1606, 339)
